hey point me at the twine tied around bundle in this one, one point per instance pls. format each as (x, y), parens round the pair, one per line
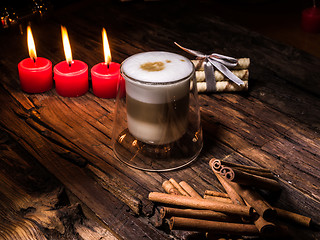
(218, 61)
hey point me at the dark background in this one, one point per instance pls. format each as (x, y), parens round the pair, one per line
(277, 19)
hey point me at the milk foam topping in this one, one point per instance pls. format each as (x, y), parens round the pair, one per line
(157, 67)
(157, 77)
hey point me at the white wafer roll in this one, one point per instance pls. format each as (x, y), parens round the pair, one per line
(242, 74)
(223, 86)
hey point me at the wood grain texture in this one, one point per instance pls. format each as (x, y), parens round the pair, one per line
(33, 204)
(274, 125)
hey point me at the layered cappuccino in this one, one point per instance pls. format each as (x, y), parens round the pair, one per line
(157, 96)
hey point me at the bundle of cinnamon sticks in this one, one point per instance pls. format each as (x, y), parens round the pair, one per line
(223, 84)
(239, 211)
(245, 175)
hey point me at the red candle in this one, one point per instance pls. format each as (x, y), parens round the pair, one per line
(71, 80)
(105, 76)
(70, 76)
(35, 73)
(310, 21)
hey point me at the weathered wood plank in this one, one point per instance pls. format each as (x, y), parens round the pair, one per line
(33, 204)
(104, 204)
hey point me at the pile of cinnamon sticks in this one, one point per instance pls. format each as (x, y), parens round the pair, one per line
(239, 211)
(223, 84)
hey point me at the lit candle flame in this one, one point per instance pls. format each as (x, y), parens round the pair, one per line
(66, 45)
(31, 46)
(106, 47)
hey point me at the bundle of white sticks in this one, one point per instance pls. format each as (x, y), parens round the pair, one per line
(223, 84)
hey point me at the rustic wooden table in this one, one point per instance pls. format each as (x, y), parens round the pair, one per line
(51, 145)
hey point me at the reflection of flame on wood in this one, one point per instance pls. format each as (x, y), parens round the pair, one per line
(135, 143)
(121, 138)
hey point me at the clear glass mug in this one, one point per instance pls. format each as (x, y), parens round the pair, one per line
(157, 116)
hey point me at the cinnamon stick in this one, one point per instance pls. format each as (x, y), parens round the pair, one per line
(255, 172)
(177, 186)
(263, 172)
(234, 196)
(179, 223)
(189, 190)
(196, 203)
(218, 199)
(245, 178)
(231, 164)
(215, 164)
(169, 188)
(256, 201)
(294, 217)
(168, 212)
(216, 194)
(264, 226)
(227, 171)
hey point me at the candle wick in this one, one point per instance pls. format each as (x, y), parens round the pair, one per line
(108, 65)
(34, 59)
(69, 64)
(314, 3)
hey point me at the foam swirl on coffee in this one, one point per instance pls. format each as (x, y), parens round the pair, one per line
(152, 66)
